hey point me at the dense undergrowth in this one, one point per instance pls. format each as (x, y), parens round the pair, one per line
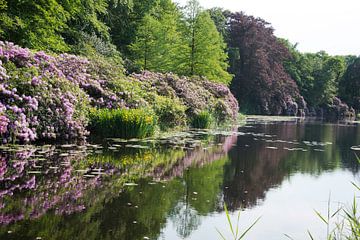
(49, 98)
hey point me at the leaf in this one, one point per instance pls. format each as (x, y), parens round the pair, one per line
(229, 220)
(336, 212)
(247, 230)
(288, 236)
(222, 236)
(355, 185)
(311, 237)
(321, 217)
(237, 224)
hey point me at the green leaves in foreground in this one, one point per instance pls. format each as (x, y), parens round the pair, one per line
(236, 233)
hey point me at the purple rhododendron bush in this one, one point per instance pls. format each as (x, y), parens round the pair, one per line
(47, 97)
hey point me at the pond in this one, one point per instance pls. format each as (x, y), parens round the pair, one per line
(175, 187)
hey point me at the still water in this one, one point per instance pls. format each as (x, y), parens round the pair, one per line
(175, 187)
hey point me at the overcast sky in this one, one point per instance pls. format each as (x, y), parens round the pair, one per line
(330, 25)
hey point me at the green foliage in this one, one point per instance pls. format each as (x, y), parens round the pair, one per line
(158, 43)
(124, 18)
(317, 75)
(52, 25)
(202, 120)
(219, 16)
(123, 123)
(36, 24)
(170, 112)
(206, 56)
(220, 111)
(189, 45)
(350, 84)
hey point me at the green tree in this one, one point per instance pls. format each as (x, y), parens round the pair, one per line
(327, 78)
(350, 85)
(207, 56)
(56, 25)
(317, 75)
(35, 24)
(124, 18)
(85, 16)
(158, 45)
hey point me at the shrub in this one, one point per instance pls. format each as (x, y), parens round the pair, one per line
(122, 123)
(170, 112)
(202, 120)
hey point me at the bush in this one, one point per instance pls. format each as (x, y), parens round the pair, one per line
(170, 112)
(202, 120)
(122, 123)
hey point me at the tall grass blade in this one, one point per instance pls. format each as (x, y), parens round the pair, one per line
(356, 186)
(288, 237)
(229, 220)
(321, 217)
(222, 236)
(237, 224)
(249, 228)
(311, 237)
(336, 212)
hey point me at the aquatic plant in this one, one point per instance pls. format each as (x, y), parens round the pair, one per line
(202, 120)
(236, 235)
(123, 123)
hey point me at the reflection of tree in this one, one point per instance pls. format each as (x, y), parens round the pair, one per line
(185, 218)
(256, 169)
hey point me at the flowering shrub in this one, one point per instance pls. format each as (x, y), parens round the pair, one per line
(196, 94)
(48, 97)
(171, 112)
(37, 101)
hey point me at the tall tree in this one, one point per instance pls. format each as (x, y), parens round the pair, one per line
(158, 45)
(124, 18)
(326, 78)
(261, 83)
(207, 56)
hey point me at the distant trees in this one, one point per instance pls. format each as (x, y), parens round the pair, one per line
(350, 84)
(317, 74)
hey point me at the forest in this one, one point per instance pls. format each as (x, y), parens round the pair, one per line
(68, 68)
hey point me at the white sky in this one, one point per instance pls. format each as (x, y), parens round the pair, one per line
(330, 25)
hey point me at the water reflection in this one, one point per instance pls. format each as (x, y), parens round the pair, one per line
(141, 189)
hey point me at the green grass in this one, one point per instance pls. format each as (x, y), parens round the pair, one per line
(122, 123)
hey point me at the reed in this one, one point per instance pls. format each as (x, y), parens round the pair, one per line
(122, 123)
